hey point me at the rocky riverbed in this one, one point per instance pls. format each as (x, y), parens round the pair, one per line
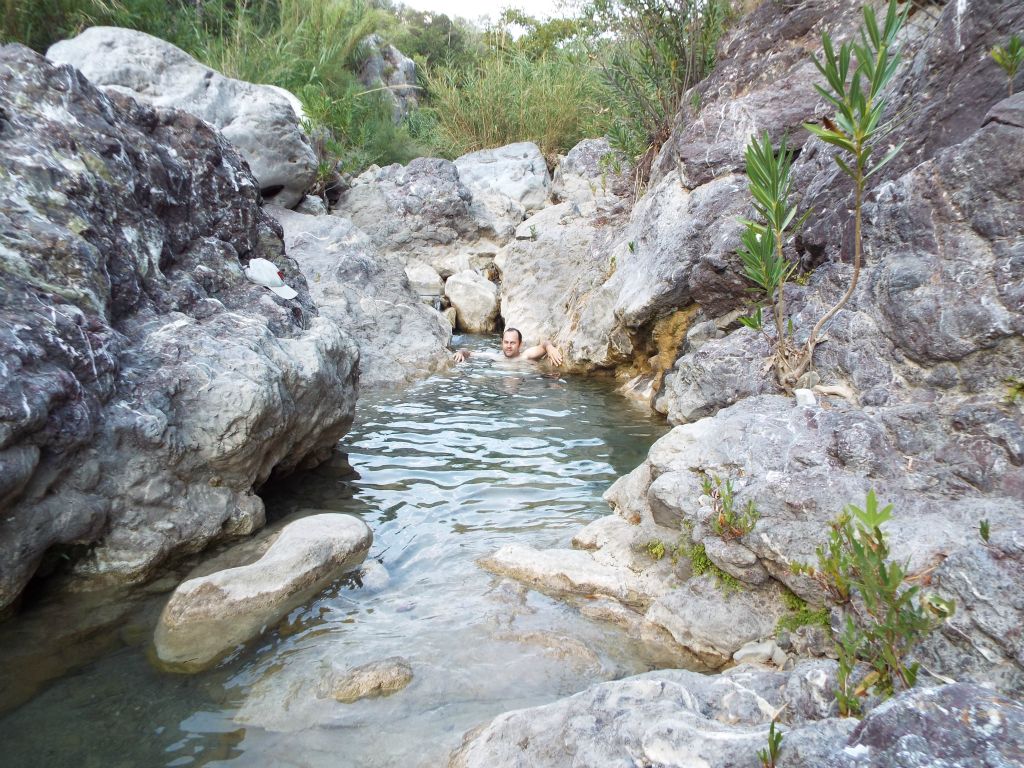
(150, 390)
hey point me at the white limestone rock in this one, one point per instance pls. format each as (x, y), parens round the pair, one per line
(475, 299)
(208, 616)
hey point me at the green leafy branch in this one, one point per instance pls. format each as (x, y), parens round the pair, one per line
(884, 617)
(1009, 57)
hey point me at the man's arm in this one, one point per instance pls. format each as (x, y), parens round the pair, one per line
(545, 348)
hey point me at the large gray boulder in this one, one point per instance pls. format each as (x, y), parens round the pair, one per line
(258, 121)
(953, 726)
(600, 283)
(592, 173)
(367, 293)
(517, 171)
(208, 616)
(414, 211)
(507, 183)
(148, 386)
(554, 261)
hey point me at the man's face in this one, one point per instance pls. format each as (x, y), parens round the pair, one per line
(510, 344)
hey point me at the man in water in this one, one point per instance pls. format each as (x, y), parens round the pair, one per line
(511, 349)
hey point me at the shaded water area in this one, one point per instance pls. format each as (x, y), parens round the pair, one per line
(448, 470)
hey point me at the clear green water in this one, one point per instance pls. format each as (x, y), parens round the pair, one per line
(448, 471)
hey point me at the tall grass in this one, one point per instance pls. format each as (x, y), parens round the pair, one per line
(552, 101)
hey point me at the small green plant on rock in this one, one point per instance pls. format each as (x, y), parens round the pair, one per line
(701, 564)
(800, 614)
(770, 754)
(1014, 390)
(1009, 57)
(884, 617)
(726, 520)
(656, 549)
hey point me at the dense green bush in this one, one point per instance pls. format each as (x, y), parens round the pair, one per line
(650, 53)
(510, 97)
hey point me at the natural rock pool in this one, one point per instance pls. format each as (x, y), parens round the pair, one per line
(449, 470)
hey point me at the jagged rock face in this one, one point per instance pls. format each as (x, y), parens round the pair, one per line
(801, 464)
(411, 210)
(261, 123)
(367, 293)
(939, 310)
(959, 726)
(764, 83)
(669, 717)
(147, 385)
(507, 183)
(388, 68)
(607, 283)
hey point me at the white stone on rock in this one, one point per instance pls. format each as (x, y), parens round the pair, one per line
(755, 652)
(258, 121)
(805, 397)
(207, 617)
(475, 299)
(424, 279)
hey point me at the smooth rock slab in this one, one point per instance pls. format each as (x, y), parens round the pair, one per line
(571, 571)
(706, 621)
(208, 616)
(666, 718)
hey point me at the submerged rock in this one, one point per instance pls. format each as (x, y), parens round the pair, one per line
(378, 678)
(206, 617)
(256, 119)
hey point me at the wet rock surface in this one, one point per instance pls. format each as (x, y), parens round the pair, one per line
(378, 678)
(149, 386)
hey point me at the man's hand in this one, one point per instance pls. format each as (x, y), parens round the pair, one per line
(461, 355)
(554, 354)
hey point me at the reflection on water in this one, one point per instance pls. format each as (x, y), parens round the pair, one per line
(448, 470)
